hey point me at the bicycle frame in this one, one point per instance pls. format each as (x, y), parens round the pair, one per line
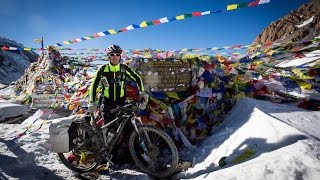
(144, 152)
(123, 118)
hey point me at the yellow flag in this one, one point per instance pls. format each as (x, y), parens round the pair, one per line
(173, 95)
(180, 17)
(257, 63)
(299, 74)
(161, 104)
(112, 31)
(232, 7)
(143, 24)
(247, 154)
(303, 84)
(37, 40)
(235, 65)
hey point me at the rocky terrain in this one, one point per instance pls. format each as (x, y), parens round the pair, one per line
(13, 63)
(301, 25)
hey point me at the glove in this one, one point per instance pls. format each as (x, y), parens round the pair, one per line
(144, 97)
(92, 107)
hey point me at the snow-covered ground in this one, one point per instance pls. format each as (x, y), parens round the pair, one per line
(30, 157)
(8, 109)
(6, 90)
(284, 139)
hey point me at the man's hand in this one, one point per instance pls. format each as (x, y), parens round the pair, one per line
(144, 97)
(92, 107)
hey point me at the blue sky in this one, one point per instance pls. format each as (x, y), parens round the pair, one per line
(59, 20)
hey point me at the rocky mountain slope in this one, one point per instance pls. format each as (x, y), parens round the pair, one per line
(302, 24)
(13, 63)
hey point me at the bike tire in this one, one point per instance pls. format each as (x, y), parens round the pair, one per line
(136, 150)
(62, 156)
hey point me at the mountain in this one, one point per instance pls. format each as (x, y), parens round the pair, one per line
(302, 24)
(13, 63)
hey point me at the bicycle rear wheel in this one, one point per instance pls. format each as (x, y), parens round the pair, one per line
(153, 151)
(83, 157)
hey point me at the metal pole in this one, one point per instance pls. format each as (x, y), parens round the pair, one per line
(42, 46)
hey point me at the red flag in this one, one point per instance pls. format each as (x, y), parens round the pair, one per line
(96, 35)
(156, 22)
(236, 46)
(255, 3)
(5, 48)
(124, 30)
(196, 13)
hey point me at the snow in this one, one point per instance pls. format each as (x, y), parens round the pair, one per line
(8, 109)
(282, 151)
(284, 137)
(2, 86)
(14, 64)
(305, 22)
(5, 40)
(31, 157)
(6, 91)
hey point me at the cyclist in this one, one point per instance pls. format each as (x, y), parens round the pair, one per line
(113, 77)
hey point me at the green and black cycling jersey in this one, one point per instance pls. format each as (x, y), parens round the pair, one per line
(116, 77)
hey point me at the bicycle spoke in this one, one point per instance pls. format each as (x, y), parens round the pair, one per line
(82, 157)
(161, 158)
(162, 144)
(153, 137)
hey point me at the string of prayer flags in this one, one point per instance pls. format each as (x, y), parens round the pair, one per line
(162, 20)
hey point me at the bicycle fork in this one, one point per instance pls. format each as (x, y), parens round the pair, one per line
(142, 142)
(141, 139)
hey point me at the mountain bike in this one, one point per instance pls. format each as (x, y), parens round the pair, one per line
(152, 150)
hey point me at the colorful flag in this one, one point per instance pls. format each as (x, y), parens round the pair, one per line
(38, 40)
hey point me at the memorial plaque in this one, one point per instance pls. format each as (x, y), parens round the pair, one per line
(165, 75)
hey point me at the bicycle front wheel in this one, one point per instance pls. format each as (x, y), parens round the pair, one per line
(153, 151)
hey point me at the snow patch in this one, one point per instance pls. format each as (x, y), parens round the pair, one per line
(305, 22)
(278, 134)
(8, 109)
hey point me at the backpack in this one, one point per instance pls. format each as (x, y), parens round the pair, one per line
(63, 132)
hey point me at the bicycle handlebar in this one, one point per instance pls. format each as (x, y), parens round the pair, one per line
(122, 109)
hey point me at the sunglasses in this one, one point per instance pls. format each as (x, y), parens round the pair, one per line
(114, 54)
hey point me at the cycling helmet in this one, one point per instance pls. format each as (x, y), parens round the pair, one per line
(114, 49)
